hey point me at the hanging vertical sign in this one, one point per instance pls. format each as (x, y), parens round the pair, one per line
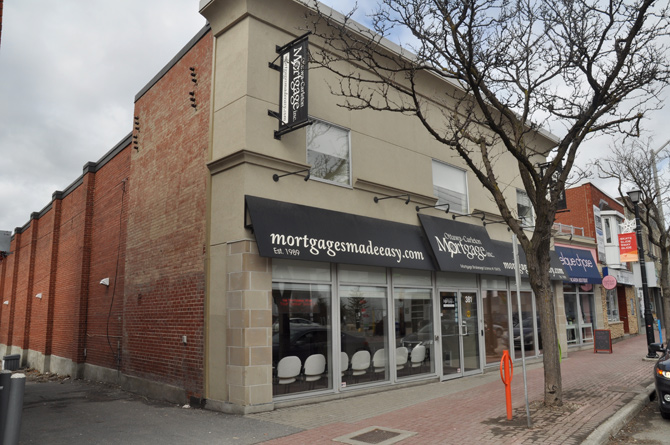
(628, 247)
(293, 86)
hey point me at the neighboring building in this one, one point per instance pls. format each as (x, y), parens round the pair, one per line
(589, 305)
(107, 282)
(235, 281)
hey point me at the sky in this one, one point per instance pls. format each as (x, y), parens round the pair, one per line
(69, 73)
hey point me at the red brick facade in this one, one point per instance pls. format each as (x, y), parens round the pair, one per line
(580, 200)
(137, 217)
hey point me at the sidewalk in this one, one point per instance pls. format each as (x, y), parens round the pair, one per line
(472, 410)
(600, 392)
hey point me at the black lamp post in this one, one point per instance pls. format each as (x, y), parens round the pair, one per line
(635, 196)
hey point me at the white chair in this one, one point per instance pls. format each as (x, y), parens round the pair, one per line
(360, 362)
(315, 366)
(379, 360)
(417, 356)
(344, 362)
(400, 357)
(288, 370)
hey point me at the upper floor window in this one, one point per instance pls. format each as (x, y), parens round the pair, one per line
(450, 187)
(611, 227)
(328, 153)
(608, 231)
(524, 208)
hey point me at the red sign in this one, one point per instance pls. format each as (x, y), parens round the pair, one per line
(609, 282)
(627, 247)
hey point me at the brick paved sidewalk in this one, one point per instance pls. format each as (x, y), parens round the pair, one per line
(472, 409)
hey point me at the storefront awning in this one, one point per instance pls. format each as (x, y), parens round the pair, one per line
(579, 265)
(460, 247)
(556, 272)
(298, 232)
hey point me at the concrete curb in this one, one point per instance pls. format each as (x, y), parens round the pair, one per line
(613, 425)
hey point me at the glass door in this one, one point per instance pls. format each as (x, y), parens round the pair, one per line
(460, 326)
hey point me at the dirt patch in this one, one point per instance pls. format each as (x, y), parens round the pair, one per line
(33, 375)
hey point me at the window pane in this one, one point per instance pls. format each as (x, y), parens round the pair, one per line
(449, 187)
(414, 327)
(300, 270)
(362, 274)
(494, 282)
(364, 340)
(452, 279)
(411, 277)
(328, 153)
(524, 208)
(496, 324)
(301, 338)
(528, 338)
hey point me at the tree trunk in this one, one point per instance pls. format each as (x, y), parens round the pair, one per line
(538, 261)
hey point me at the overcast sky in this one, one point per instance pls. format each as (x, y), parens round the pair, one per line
(69, 72)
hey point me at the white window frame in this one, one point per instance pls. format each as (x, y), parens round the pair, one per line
(313, 174)
(528, 222)
(612, 300)
(443, 165)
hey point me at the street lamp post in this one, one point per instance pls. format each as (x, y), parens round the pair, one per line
(635, 196)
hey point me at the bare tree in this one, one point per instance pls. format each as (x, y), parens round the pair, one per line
(508, 68)
(634, 167)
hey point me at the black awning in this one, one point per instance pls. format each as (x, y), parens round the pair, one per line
(292, 231)
(460, 247)
(556, 272)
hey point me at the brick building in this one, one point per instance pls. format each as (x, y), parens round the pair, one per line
(107, 282)
(196, 261)
(593, 223)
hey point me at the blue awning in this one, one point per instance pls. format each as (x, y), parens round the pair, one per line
(579, 265)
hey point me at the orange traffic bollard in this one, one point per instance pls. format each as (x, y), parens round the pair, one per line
(506, 373)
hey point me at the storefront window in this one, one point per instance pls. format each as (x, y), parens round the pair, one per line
(496, 324)
(301, 337)
(530, 325)
(586, 307)
(579, 313)
(328, 153)
(414, 331)
(612, 306)
(364, 334)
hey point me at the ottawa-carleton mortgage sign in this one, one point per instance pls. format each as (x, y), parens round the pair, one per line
(294, 85)
(461, 247)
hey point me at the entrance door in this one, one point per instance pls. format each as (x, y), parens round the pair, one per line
(460, 326)
(623, 307)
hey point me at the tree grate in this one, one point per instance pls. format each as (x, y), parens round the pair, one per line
(375, 436)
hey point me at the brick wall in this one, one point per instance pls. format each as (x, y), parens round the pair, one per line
(580, 201)
(39, 314)
(105, 303)
(7, 294)
(138, 218)
(165, 270)
(66, 316)
(18, 304)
